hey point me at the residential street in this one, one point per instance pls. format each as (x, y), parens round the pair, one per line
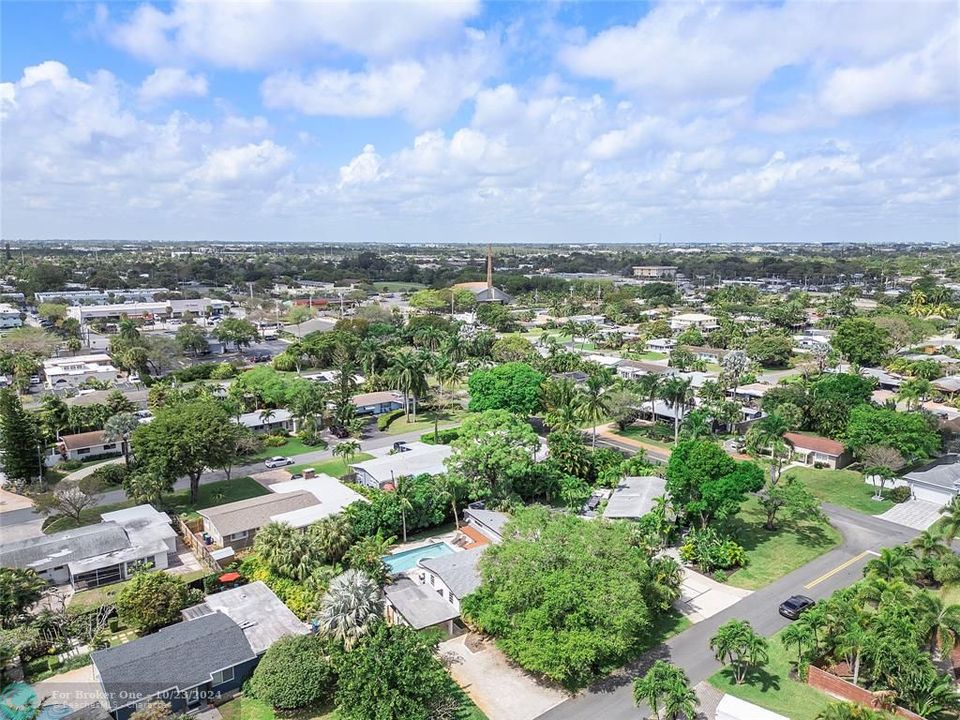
(23, 523)
(612, 699)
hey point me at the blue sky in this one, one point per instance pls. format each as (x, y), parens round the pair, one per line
(570, 122)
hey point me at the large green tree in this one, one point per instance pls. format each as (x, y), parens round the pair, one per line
(152, 599)
(862, 342)
(19, 589)
(185, 439)
(20, 443)
(567, 597)
(706, 484)
(394, 674)
(296, 672)
(491, 451)
(513, 386)
(911, 434)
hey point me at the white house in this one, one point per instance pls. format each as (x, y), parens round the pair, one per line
(429, 595)
(67, 372)
(417, 459)
(100, 554)
(268, 420)
(938, 481)
(88, 445)
(9, 316)
(700, 321)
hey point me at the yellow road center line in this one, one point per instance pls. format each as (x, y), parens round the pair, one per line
(839, 568)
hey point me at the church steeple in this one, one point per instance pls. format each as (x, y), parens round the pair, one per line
(489, 266)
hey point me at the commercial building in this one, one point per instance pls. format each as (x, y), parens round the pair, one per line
(655, 272)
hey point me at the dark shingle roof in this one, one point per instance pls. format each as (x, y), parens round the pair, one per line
(180, 656)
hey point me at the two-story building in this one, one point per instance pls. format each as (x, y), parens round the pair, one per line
(700, 321)
(65, 372)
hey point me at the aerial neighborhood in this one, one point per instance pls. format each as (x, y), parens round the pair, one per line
(455, 483)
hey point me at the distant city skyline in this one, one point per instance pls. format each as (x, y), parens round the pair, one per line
(481, 122)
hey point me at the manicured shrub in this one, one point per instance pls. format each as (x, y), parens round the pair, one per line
(386, 420)
(899, 494)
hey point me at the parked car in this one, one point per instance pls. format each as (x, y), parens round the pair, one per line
(340, 432)
(794, 606)
(278, 461)
(258, 357)
(34, 379)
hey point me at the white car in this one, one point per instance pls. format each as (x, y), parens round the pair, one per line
(278, 462)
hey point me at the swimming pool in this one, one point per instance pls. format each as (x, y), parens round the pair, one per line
(403, 561)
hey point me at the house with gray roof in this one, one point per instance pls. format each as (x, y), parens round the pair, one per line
(429, 595)
(936, 482)
(489, 522)
(634, 497)
(235, 524)
(100, 554)
(186, 665)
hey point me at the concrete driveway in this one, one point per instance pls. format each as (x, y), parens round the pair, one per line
(76, 688)
(501, 690)
(916, 514)
(702, 597)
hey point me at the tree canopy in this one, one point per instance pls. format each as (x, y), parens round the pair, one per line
(296, 672)
(513, 386)
(565, 597)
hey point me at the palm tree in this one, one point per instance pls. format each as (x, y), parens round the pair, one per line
(406, 375)
(896, 563)
(914, 391)
(592, 404)
(678, 392)
(950, 524)
(274, 543)
(940, 621)
(933, 695)
(768, 433)
(799, 636)
(351, 607)
(454, 348)
(266, 415)
(695, 425)
(681, 700)
(369, 354)
(737, 644)
(447, 488)
(649, 386)
(849, 711)
(560, 398)
(654, 686)
(118, 428)
(332, 536)
(346, 450)
(403, 490)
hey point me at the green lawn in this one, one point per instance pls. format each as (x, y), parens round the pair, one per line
(244, 707)
(656, 435)
(841, 487)
(649, 355)
(772, 687)
(293, 446)
(425, 422)
(211, 494)
(773, 554)
(334, 467)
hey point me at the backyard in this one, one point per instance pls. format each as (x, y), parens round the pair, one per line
(178, 502)
(841, 487)
(772, 687)
(771, 554)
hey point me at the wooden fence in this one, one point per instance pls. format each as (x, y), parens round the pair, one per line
(188, 530)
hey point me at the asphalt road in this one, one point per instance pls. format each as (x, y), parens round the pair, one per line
(612, 699)
(20, 524)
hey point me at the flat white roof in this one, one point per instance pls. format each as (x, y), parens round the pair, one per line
(419, 459)
(733, 708)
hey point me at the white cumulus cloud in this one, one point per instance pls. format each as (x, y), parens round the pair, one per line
(165, 83)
